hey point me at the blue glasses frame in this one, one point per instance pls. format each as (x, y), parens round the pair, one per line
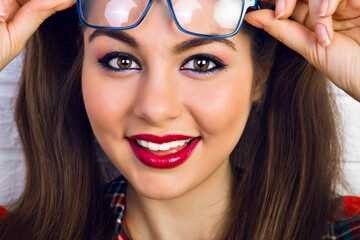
(247, 4)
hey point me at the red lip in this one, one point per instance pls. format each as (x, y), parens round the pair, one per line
(162, 162)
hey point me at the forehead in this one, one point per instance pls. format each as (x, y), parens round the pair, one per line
(177, 44)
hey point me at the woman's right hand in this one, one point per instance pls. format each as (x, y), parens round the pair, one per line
(19, 19)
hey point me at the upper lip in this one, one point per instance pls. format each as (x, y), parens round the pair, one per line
(160, 139)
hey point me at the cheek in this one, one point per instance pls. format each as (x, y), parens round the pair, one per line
(223, 108)
(105, 100)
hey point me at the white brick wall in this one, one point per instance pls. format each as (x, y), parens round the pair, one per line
(12, 168)
(11, 160)
(350, 110)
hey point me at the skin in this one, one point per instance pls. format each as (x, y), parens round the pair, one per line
(305, 34)
(162, 98)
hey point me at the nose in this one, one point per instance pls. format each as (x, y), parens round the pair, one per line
(158, 98)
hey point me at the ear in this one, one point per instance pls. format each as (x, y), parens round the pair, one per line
(260, 77)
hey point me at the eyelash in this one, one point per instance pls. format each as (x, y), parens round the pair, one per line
(218, 64)
(108, 58)
(215, 63)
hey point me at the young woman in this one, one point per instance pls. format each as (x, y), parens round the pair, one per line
(217, 134)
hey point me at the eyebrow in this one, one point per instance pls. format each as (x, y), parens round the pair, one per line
(179, 48)
(195, 42)
(122, 36)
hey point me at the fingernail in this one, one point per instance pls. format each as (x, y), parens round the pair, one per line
(323, 7)
(322, 35)
(254, 22)
(2, 17)
(279, 9)
(3, 9)
(279, 15)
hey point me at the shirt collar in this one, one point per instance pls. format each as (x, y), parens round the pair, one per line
(116, 195)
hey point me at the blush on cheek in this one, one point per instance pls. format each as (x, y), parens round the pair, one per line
(107, 100)
(222, 109)
(93, 95)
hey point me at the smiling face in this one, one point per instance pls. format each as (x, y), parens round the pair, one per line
(154, 81)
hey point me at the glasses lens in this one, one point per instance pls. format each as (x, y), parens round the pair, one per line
(112, 13)
(208, 17)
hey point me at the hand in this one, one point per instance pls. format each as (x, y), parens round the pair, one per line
(325, 32)
(19, 19)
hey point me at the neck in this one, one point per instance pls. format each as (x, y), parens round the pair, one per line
(197, 214)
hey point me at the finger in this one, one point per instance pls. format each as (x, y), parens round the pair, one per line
(284, 8)
(353, 33)
(29, 17)
(4, 10)
(346, 24)
(15, 6)
(293, 34)
(347, 9)
(328, 7)
(322, 25)
(301, 13)
(12, 7)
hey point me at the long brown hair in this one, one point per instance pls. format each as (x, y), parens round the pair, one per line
(286, 164)
(290, 152)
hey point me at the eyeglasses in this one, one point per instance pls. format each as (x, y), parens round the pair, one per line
(203, 18)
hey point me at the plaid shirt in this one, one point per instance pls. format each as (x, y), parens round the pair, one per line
(346, 222)
(344, 226)
(116, 194)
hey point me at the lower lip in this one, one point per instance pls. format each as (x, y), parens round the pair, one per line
(162, 162)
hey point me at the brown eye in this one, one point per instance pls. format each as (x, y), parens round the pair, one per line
(201, 64)
(123, 63)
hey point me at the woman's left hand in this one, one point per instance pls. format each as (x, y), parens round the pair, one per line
(325, 32)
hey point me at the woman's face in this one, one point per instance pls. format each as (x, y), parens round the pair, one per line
(156, 80)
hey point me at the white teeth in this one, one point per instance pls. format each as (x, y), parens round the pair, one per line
(153, 146)
(174, 144)
(143, 143)
(163, 146)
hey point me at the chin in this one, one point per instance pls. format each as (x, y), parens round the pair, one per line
(161, 187)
